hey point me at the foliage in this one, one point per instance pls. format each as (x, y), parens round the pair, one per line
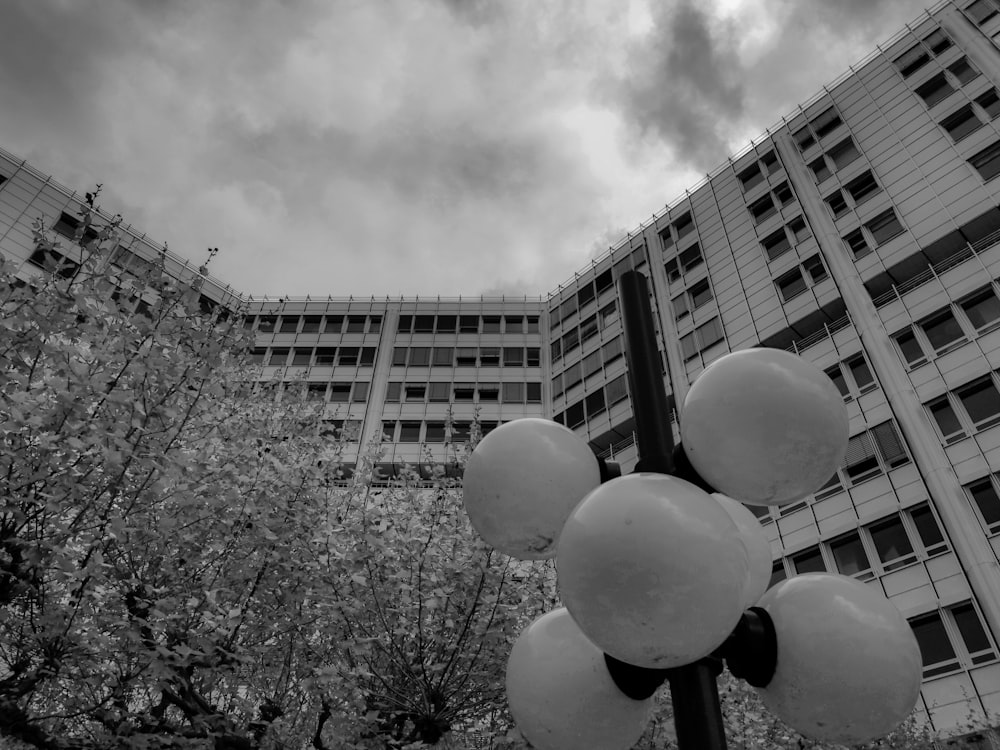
(181, 564)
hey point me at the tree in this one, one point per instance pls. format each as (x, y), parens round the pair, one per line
(181, 563)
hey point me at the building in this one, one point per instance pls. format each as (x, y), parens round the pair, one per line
(862, 232)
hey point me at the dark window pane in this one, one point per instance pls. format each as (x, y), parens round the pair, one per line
(934, 90)
(837, 376)
(891, 543)
(849, 554)
(809, 561)
(971, 628)
(777, 573)
(987, 161)
(981, 400)
(884, 227)
(983, 309)
(910, 347)
(935, 648)
(942, 330)
(927, 527)
(859, 370)
(985, 497)
(843, 153)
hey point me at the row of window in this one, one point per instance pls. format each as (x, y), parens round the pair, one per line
(780, 241)
(858, 379)
(594, 403)
(320, 356)
(875, 232)
(754, 174)
(468, 324)
(869, 454)
(839, 155)
(859, 189)
(585, 293)
(685, 262)
(448, 392)
(941, 85)
(588, 329)
(966, 120)
(701, 338)
(692, 298)
(817, 128)
(981, 11)
(337, 392)
(466, 356)
(677, 230)
(318, 323)
(793, 283)
(944, 329)
(413, 431)
(874, 549)
(952, 638)
(583, 369)
(966, 410)
(917, 56)
(769, 203)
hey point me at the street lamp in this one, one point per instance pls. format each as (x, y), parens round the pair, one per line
(662, 573)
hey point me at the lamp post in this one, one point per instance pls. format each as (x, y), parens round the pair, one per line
(663, 578)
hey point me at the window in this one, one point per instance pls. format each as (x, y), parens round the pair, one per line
(265, 323)
(938, 41)
(443, 356)
(910, 348)
(804, 138)
(666, 239)
(762, 208)
(928, 530)
(393, 392)
(534, 391)
(981, 401)
(862, 375)
(289, 324)
(446, 324)
(799, 229)
(825, 123)
(340, 393)
(862, 187)
(257, 356)
(489, 356)
(513, 393)
(570, 340)
(466, 356)
(791, 284)
(990, 103)
(680, 305)
(689, 347)
(983, 493)
(889, 444)
(591, 363)
(861, 463)
(750, 177)
(912, 60)
(770, 162)
(709, 333)
(588, 329)
(464, 391)
(617, 389)
(961, 123)
(315, 391)
(684, 225)
(691, 258)
(815, 268)
(491, 324)
(311, 323)
(468, 324)
(936, 651)
(595, 403)
(612, 350)
(946, 419)
(836, 203)
(934, 90)
(963, 70)
(301, 356)
(987, 161)
(982, 309)
(399, 356)
(532, 324)
(837, 376)
(573, 375)
(420, 356)
(843, 153)
(347, 356)
(820, 169)
(439, 392)
(776, 244)
(489, 391)
(974, 637)
(334, 323)
(278, 357)
(942, 331)
(783, 194)
(409, 432)
(849, 556)
(700, 293)
(884, 227)
(892, 544)
(809, 561)
(434, 432)
(356, 323)
(534, 358)
(672, 269)
(575, 415)
(777, 573)
(857, 244)
(415, 392)
(513, 356)
(515, 323)
(360, 392)
(981, 11)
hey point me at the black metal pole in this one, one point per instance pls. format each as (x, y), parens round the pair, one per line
(693, 689)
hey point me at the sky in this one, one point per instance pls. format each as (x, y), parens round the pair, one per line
(408, 147)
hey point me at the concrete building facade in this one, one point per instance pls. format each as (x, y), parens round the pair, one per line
(861, 232)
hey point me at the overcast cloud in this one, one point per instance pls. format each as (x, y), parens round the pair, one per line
(431, 147)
